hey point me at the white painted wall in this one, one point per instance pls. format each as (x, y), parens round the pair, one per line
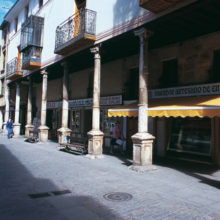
(54, 13)
(110, 13)
(114, 12)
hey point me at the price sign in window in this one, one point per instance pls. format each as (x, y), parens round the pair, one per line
(191, 135)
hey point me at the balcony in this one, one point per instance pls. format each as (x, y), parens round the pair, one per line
(31, 58)
(13, 70)
(76, 32)
(31, 43)
(157, 5)
(32, 33)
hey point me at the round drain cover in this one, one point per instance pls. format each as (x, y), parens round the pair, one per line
(118, 196)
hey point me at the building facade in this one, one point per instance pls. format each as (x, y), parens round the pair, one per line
(69, 68)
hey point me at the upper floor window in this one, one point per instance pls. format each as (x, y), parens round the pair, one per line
(216, 66)
(4, 34)
(26, 11)
(3, 62)
(41, 2)
(131, 87)
(80, 3)
(169, 76)
(16, 24)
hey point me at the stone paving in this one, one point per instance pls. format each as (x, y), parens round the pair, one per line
(173, 191)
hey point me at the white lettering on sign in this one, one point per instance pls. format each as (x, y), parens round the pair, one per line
(108, 100)
(197, 90)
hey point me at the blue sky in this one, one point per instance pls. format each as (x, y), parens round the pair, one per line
(5, 5)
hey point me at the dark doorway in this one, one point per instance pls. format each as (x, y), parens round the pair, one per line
(132, 128)
(87, 121)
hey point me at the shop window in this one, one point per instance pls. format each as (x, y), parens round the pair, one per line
(191, 135)
(75, 122)
(105, 122)
(131, 89)
(170, 74)
(216, 66)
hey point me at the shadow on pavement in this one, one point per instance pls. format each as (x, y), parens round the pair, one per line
(17, 183)
(203, 172)
(126, 158)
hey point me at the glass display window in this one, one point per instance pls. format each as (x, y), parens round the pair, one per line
(75, 121)
(106, 123)
(191, 135)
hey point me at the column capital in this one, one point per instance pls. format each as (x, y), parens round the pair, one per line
(95, 50)
(64, 64)
(17, 84)
(143, 33)
(29, 77)
(44, 72)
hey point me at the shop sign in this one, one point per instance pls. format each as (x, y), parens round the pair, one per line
(197, 90)
(51, 105)
(108, 100)
(111, 100)
(80, 102)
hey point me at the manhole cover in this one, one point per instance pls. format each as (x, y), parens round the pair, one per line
(118, 196)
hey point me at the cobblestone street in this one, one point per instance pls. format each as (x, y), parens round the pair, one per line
(39, 182)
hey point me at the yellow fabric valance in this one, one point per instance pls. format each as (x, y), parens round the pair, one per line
(204, 106)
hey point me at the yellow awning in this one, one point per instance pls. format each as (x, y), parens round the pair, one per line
(204, 106)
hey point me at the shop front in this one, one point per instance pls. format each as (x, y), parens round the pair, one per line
(80, 116)
(185, 121)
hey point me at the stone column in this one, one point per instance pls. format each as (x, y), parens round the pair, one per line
(29, 127)
(142, 141)
(95, 135)
(43, 129)
(17, 125)
(64, 130)
(7, 106)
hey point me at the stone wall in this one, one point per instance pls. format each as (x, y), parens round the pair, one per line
(195, 60)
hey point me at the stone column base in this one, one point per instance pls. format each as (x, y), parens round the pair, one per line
(43, 133)
(28, 128)
(62, 133)
(16, 129)
(95, 143)
(142, 152)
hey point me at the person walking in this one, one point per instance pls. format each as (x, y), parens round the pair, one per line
(9, 127)
(117, 139)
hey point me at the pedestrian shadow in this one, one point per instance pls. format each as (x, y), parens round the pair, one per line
(23, 195)
(126, 158)
(202, 172)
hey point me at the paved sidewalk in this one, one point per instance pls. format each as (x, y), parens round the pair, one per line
(73, 186)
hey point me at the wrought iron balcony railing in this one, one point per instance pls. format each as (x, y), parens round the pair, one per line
(13, 69)
(31, 58)
(32, 32)
(81, 26)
